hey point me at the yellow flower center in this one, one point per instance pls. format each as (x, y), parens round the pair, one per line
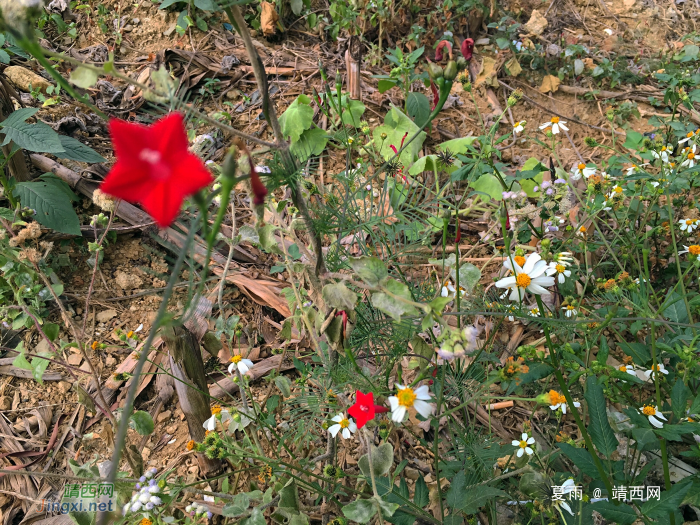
(146, 521)
(570, 308)
(691, 155)
(517, 124)
(582, 229)
(406, 397)
(689, 222)
(694, 250)
(523, 280)
(581, 166)
(520, 260)
(663, 148)
(649, 410)
(216, 410)
(130, 335)
(690, 134)
(655, 368)
(691, 420)
(523, 444)
(344, 423)
(236, 359)
(617, 189)
(556, 398)
(560, 268)
(555, 120)
(623, 368)
(190, 444)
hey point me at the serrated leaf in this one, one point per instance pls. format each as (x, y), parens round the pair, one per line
(421, 496)
(669, 501)
(76, 150)
(676, 310)
(337, 295)
(390, 302)
(360, 510)
(385, 85)
(53, 209)
(84, 77)
(237, 507)
(382, 459)
(60, 185)
(470, 501)
(18, 116)
(297, 118)
(371, 270)
(581, 458)
(38, 137)
(679, 399)
(600, 430)
(284, 385)
(142, 422)
(621, 514)
(7, 214)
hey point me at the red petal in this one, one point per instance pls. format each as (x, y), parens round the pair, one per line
(163, 203)
(467, 48)
(259, 189)
(189, 174)
(128, 139)
(129, 182)
(168, 135)
(380, 409)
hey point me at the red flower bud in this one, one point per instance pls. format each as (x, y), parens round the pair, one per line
(259, 189)
(467, 49)
(438, 51)
(436, 95)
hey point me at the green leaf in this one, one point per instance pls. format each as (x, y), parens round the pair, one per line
(422, 495)
(310, 143)
(7, 214)
(84, 77)
(470, 501)
(387, 508)
(382, 459)
(489, 187)
(297, 118)
(238, 506)
(256, 518)
(21, 361)
(676, 310)
(600, 430)
(603, 351)
(339, 296)
(425, 163)
(18, 116)
(268, 241)
(142, 422)
(581, 458)
(51, 330)
(284, 385)
(390, 304)
(469, 276)
(168, 3)
(669, 502)
(297, 6)
(679, 399)
(385, 85)
(61, 185)
(639, 352)
(418, 107)
(621, 514)
(39, 366)
(645, 439)
(397, 126)
(371, 270)
(207, 5)
(360, 510)
(633, 140)
(4, 57)
(38, 137)
(352, 111)
(458, 146)
(53, 209)
(289, 496)
(76, 150)
(82, 518)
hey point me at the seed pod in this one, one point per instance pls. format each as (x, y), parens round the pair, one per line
(434, 71)
(450, 72)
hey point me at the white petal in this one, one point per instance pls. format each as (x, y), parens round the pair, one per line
(554, 407)
(528, 451)
(210, 424)
(242, 367)
(531, 262)
(515, 443)
(338, 418)
(524, 436)
(520, 452)
(563, 408)
(353, 426)
(655, 422)
(659, 414)
(422, 392)
(333, 430)
(231, 368)
(398, 414)
(248, 363)
(537, 289)
(393, 402)
(565, 506)
(346, 433)
(423, 408)
(562, 125)
(530, 441)
(506, 282)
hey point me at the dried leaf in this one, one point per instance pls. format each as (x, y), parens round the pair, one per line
(268, 18)
(550, 84)
(536, 24)
(513, 67)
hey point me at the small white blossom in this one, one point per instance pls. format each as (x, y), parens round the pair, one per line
(345, 426)
(523, 445)
(556, 123)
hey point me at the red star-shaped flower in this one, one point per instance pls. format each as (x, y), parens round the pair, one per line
(364, 408)
(154, 167)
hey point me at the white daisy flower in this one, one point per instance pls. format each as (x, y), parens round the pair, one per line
(517, 259)
(406, 398)
(528, 278)
(633, 169)
(652, 412)
(556, 124)
(628, 368)
(662, 153)
(524, 445)
(564, 258)
(347, 426)
(243, 365)
(558, 269)
(581, 170)
(689, 136)
(217, 414)
(559, 401)
(688, 225)
(693, 249)
(570, 311)
(581, 231)
(655, 368)
(518, 127)
(690, 161)
(534, 311)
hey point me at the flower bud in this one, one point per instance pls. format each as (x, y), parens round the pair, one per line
(450, 72)
(434, 71)
(590, 142)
